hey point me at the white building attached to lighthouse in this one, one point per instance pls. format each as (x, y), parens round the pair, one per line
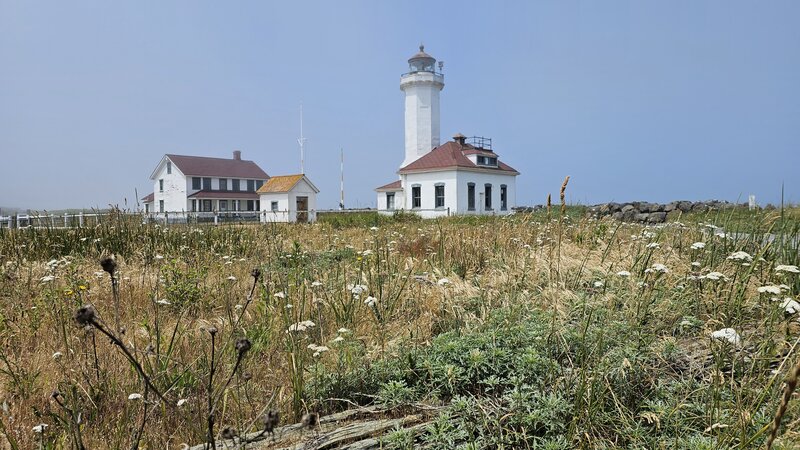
(462, 176)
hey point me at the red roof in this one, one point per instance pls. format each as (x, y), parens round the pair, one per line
(149, 198)
(225, 195)
(451, 155)
(202, 166)
(393, 186)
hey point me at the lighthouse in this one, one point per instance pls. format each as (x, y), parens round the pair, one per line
(421, 86)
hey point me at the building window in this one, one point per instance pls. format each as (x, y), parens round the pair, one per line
(390, 200)
(196, 183)
(250, 205)
(259, 183)
(146, 208)
(481, 160)
(206, 184)
(251, 185)
(161, 206)
(471, 196)
(169, 167)
(235, 183)
(161, 185)
(487, 160)
(258, 205)
(223, 184)
(438, 192)
(223, 205)
(416, 196)
(503, 197)
(207, 206)
(487, 189)
(194, 205)
(274, 206)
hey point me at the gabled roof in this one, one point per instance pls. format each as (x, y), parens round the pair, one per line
(451, 155)
(393, 186)
(203, 166)
(284, 183)
(149, 198)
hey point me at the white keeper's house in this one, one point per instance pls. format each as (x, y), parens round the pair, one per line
(202, 184)
(462, 176)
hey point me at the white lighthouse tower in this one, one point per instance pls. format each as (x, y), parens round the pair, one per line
(421, 85)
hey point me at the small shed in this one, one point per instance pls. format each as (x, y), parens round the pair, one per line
(288, 198)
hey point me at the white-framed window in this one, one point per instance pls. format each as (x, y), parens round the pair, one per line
(503, 197)
(161, 206)
(194, 205)
(236, 186)
(161, 185)
(487, 196)
(273, 206)
(197, 183)
(259, 183)
(438, 195)
(471, 196)
(251, 185)
(223, 205)
(390, 200)
(206, 184)
(223, 184)
(416, 196)
(169, 167)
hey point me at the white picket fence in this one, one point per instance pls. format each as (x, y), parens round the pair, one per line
(81, 219)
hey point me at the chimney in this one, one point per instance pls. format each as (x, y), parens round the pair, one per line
(460, 138)
(237, 155)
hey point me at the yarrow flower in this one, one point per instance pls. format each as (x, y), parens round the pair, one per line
(279, 295)
(714, 276)
(135, 396)
(231, 278)
(181, 402)
(163, 301)
(599, 284)
(443, 281)
(48, 278)
(337, 339)
(316, 284)
(318, 349)
(790, 307)
(786, 268)
(698, 246)
(371, 301)
(727, 334)
(659, 268)
(741, 256)
(301, 326)
(653, 245)
(623, 273)
(771, 289)
(39, 429)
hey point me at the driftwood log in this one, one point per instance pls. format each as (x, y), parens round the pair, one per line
(355, 429)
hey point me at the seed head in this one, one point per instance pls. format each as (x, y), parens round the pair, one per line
(212, 330)
(310, 420)
(85, 315)
(109, 264)
(256, 273)
(243, 345)
(271, 420)
(228, 433)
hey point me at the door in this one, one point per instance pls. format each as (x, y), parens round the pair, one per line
(302, 209)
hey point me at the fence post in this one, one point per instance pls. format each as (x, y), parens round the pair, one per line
(448, 211)
(66, 220)
(216, 219)
(80, 219)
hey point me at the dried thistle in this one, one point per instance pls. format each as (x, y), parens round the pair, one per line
(109, 264)
(310, 420)
(243, 345)
(85, 315)
(256, 273)
(270, 421)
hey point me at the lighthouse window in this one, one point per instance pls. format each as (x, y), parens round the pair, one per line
(390, 200)
(471, 196)
(416, 196)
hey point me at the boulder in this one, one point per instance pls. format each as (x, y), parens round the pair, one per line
(685, 206)
(657, 217)
(641, 217)
(627, 208)
(671, 206)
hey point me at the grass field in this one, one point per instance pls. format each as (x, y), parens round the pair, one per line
(531, 331)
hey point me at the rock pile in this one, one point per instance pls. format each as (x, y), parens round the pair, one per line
(646, 212)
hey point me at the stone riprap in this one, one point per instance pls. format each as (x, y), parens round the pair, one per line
(646, 212)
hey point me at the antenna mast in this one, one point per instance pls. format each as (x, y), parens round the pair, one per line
(302, 141)
(341, 188)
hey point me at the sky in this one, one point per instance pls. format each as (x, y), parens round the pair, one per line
(635, 100)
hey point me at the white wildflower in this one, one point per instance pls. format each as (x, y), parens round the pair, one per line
(373, 229)
(48, 278)
(696, 264)
(39, 429)
(279, 295)
(371, 301)
(343, 331)
(159, 256)
(698, 246)
(231, 278)
(786, 268)
(289, 306)
(790, 307)
(623, 273)
(316, 284)
(443, 281)
(337, 339)
(135, 396)
(653, 245)
(659, 268)
(301, 326)
(741, 256)
(599, 284)
(57, 355)
(727, 334)
(163, 301)
(181, 402)
(770, 289)
(715, 276)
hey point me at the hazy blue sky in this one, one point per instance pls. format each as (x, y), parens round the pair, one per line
(633, 99)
